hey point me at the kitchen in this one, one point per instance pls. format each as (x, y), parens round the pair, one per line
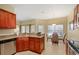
(25, 28)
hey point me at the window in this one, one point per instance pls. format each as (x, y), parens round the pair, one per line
(40, 28)
(32, 28)
(22, 29)
(55, 28)
(50, 30)
(59, 29)
(27, 29)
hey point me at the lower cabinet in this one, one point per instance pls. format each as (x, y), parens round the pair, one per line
(30, 43)
(18, 44)
(39, 45)
(22, 43)
(25, 43)
(36, 44)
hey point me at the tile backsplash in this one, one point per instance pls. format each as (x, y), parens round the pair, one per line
(7, 32)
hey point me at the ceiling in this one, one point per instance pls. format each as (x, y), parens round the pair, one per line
(42, 11)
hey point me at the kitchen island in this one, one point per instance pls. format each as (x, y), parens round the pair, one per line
(33, 43)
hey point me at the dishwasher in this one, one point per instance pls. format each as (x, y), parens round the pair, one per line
(8, 47)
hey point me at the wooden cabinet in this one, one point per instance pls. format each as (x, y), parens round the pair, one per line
(25, 43)
(11, 21)
(7, 20)
(39, 45)
(22, 44)
(2, 20)
(42, 43)
(19, 44)
(34, 44)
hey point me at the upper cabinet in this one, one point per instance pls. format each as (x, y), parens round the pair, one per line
(7, 20)
(76, 17)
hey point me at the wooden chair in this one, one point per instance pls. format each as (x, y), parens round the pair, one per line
(54, 38)
(64, 38)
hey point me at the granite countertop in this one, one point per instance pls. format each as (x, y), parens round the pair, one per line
(36, 36)
(5, 37)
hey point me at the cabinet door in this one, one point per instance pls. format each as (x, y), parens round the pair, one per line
(37, 45)
(13, 21)
(25, 43)
(7, 20)
(32, 43)
(41, 44)
(19, 46)
(2, 19)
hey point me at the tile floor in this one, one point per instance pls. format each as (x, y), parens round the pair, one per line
(49, 49)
